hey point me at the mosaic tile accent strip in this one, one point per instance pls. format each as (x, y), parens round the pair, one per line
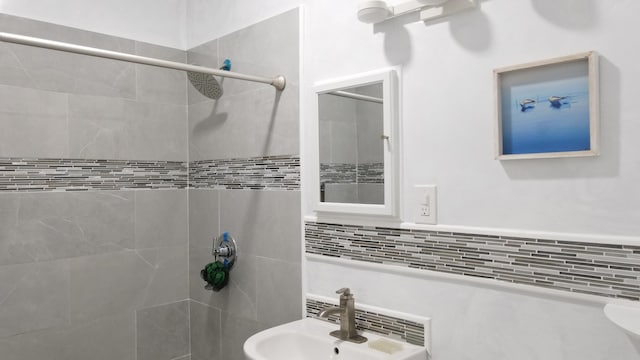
(338, 173)
(17, 174)
(588, 268)
(370, 173)
(409, 331)
(260, 173)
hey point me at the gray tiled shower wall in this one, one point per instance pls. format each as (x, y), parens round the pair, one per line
(78, 270)
(61, 105)
(257, 199)
(112, 270)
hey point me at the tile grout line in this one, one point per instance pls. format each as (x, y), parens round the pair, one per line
(135, 334)
(189, 322)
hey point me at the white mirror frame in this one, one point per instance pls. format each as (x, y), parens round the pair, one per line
(390, 90)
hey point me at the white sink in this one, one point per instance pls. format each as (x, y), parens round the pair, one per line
(309, 339)
(626, 317)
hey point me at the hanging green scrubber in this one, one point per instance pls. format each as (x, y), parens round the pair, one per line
(216, 274)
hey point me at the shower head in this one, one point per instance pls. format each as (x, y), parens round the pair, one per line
(206, 84)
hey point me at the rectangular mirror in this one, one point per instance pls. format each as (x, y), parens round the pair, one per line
(357, 144)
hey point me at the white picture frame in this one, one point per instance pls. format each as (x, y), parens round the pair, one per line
(548, 108)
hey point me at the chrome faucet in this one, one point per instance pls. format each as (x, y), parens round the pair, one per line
(347, 313)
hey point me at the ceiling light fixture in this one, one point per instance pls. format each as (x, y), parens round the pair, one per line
(373, 12)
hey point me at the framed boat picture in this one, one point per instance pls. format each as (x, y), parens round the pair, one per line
(548, 108)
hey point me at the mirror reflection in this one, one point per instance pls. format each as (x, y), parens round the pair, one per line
(352, 145)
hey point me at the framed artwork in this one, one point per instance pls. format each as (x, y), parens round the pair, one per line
(548, 108)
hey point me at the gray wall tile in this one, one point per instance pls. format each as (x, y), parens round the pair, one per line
(267, 48)
(259, 230)
(341, 193)
(77, 74)
(45, 344)
(33, 123)
(33, 297)
(104, 339)
(161, 85)
(11, 71)
(160, 52)
(370, 125)
(65, 72)
(105, 285)
(158, 84)
(236, 331)
(170, 278)
(206, 330)
(163, 331)
(371, 193)
(337, 123)
(107, 128)
(279, 291)
(205, 54)
(259, 123)
(46, 226)
(161, 218)
(204, 222)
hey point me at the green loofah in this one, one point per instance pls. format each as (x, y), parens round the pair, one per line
(216, 274)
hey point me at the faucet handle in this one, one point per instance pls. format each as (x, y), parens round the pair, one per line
(344, 292)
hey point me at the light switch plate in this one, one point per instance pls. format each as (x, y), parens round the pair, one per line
(425, 204)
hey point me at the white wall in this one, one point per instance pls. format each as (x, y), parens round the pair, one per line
(211, 19)
(447, 103)
(448, 114)
(160, 22)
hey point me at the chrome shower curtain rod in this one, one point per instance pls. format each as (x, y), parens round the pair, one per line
(279, 81)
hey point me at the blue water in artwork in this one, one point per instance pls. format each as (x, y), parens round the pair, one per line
(550, 116)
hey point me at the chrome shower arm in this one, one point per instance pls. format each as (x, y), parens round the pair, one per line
(278, 81)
